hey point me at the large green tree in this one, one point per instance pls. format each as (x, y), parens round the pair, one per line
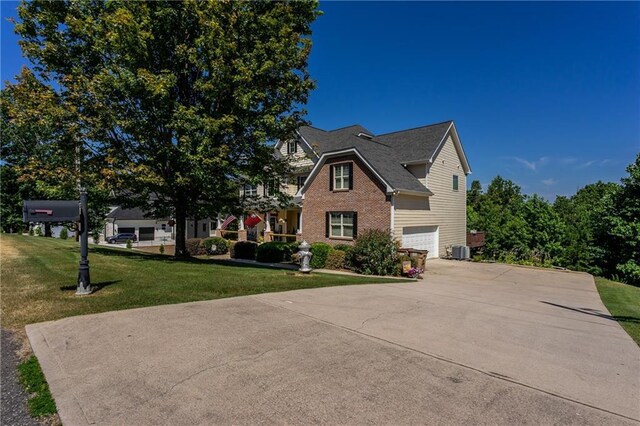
(582, 215)
(620, 230)
(182, 99)
(43, 153)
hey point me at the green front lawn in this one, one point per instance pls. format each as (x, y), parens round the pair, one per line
(38, 280)
(623, 301)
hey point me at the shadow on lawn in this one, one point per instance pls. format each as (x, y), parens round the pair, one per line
(96, 287)
(136, 255)
(595, 313)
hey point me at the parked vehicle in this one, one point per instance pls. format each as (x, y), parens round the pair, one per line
(122, 238)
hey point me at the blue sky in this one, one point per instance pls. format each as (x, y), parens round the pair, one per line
(545, 94)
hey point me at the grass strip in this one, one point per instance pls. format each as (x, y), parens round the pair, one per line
(41, 403)
(623, 301)
(39, 280)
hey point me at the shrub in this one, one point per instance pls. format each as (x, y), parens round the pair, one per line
(96, 236)
(129, 244)
(320, 252)
(161, 249)
(343, 247)
(336, 259)
(630, 272)
(215, 245)
(38, 231)
(244, 250)
(30, 232)
(276, 251)
(375, 253)
(194, 247)
(64, 233)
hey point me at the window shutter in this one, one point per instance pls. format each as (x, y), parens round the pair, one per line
(327, 224)
(330, 178)
(295, 147)
(355, 224)
(350, 175)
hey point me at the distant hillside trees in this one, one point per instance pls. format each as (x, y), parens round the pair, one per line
(597, 230)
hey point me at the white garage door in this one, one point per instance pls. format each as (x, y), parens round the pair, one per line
(421, 238)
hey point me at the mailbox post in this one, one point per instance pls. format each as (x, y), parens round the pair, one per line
(84, 280)
(51, 211)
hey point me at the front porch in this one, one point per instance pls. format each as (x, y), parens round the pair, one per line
(284, 225)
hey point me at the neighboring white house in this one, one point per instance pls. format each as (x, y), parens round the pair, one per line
(121, 220)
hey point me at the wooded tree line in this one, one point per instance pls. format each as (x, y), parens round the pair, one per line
(597, 230)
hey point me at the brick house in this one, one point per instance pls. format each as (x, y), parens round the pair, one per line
(412, 182)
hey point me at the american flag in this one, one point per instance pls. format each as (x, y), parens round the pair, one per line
(227, 221)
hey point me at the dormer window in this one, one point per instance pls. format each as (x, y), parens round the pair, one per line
(292, 147)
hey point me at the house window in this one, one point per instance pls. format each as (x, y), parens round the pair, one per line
(250, 190)
(455, 182)
(341, 224)
(164, 226)
(204, 227)
(292, 147)
(341, 177)
(301, 181)
(270, 188)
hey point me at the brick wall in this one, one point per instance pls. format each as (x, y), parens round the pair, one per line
(368, 198)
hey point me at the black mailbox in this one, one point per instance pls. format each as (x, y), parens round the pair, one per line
(51, 211)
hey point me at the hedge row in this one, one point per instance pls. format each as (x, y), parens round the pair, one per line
(374, 253)
(211, 245)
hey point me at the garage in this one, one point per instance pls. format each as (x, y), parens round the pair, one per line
(146, 234)
(126, 230)
(421, 238)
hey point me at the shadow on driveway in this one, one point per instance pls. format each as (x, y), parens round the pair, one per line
(594, 312)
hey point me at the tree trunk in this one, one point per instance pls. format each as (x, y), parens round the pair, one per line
(47, 229)
(181, 226)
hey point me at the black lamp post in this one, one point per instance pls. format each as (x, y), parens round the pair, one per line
(84, 281)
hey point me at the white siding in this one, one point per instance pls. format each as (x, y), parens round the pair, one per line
(445, 209)
(147, 223)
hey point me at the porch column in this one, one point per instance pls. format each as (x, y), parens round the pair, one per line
(299, 233)
(267, 228)
(218, 231)
(242, 233)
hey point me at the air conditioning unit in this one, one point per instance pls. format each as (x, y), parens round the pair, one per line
(460, 252)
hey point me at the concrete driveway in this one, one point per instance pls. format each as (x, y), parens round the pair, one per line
(472, 344)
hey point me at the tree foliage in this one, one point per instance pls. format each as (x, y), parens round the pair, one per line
(596, 230)
(43, 153)
(179, 100)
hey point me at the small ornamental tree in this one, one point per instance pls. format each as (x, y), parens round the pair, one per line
(375, 253)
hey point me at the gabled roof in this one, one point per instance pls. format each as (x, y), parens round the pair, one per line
(130, 214)
(421, 142)
(386, 155)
